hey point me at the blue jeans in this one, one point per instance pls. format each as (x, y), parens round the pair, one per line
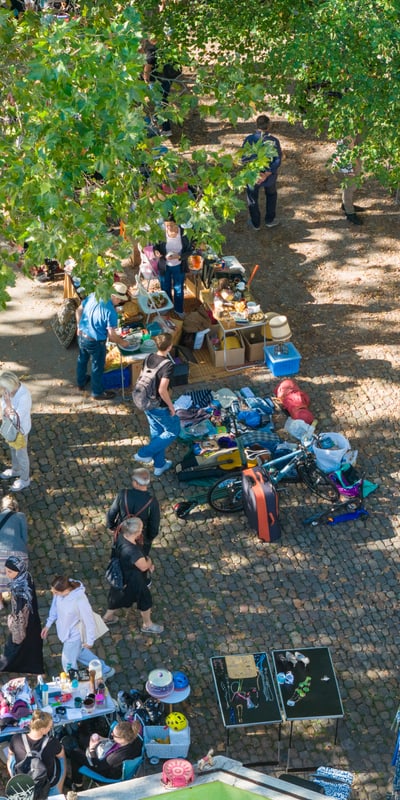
(271, 197)
(91, 349)
(164, 429)
(73, 652)
(174, 277)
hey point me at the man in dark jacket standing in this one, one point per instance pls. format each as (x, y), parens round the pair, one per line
(268, 175)
(138, 502)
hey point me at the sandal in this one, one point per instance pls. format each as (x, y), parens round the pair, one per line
(152, 628)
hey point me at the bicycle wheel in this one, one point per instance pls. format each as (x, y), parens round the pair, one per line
(317, 481)
(226, 494)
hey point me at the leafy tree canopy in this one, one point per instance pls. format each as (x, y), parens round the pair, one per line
(75, 151)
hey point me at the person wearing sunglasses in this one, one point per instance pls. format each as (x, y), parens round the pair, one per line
(106, 756)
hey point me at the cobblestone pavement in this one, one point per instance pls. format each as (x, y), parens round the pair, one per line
(217, 589)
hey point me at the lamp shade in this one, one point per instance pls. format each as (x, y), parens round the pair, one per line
(280, 329)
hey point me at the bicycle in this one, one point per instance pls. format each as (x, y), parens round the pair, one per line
(226, 494)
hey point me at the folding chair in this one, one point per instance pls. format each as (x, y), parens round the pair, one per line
(130, 768)
(147, 303)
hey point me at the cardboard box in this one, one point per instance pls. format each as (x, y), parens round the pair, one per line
(254, 344)
(136, 368)
(234, 357)
(287, 363)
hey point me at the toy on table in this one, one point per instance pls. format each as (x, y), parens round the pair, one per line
(206, 761)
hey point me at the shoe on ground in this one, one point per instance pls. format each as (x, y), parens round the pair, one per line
(272, 224)
(354, 219)
(356, 208)
(251, 225)
(153, 628)
(108, 395)
(109, 674)
(166, 133)
(87, 380)
(180, 314)
(142, 459)
(159, 470)
(109, 617)
(7, 474)
(111, 620)
(19, 485)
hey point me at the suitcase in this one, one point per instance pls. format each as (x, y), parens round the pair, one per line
(261, 506)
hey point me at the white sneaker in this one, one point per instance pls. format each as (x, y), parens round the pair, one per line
(8, 473)
(109, 674)
(272, 224)
(19, 485)
(159, 470)
(142, 459)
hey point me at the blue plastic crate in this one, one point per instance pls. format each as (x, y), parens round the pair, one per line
(112, 379)
(280, 364)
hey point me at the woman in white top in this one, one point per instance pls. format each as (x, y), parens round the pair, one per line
(70, 607)
(173, 254)
(16, 403)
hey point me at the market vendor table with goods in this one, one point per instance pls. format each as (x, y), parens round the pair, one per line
(302, 686)
(238, 330)
(68, 698)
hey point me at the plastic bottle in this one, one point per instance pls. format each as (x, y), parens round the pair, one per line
(45, 694)
(64, 682)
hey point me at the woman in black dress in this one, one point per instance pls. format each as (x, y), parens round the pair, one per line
(135, 568)
(23, 651)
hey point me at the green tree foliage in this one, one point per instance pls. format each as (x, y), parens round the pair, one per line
(75, 156)
(333, 64)
(75, 152)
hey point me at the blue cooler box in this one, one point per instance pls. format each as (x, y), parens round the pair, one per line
(280, 364)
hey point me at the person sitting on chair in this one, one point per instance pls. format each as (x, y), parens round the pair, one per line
(125, 744)
(39, 736)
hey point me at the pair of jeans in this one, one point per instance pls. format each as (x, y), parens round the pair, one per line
(174, 278)
(73, 652)
(20, 461)
(91, 349)
(164, 429)
(271, 197)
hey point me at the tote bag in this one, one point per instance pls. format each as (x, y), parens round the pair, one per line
(100, 626)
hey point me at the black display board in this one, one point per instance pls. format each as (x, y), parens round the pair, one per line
(245, 690)
(315, 692)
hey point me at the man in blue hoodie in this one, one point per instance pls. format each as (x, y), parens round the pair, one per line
(268, 175)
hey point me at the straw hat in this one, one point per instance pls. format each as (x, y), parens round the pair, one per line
(120, 291)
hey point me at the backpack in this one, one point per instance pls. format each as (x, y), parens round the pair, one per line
(144, 394)
(113, 574)
(34, 766)
(176, 773)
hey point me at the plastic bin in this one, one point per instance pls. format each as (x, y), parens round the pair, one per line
(287, 363)
(330, 459)
(179, 742)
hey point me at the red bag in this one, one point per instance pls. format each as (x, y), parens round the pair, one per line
(295, 400)
(176, 773)
(284, 387)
